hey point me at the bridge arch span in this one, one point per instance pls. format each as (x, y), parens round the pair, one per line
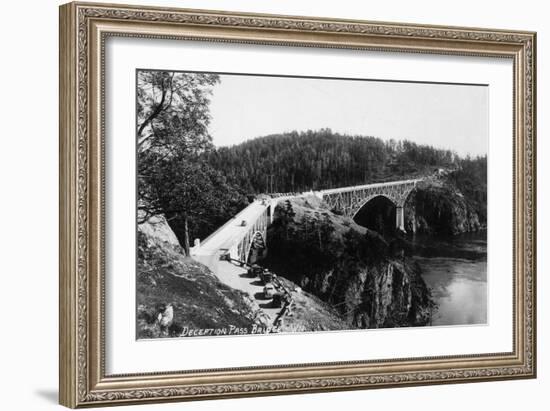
(397, 201)
(378, 213)
(372, 197)
(351, 200)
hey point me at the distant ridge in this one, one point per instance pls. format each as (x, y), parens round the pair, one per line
(315, 160)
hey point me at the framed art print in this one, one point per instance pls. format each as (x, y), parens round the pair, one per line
(260, 204)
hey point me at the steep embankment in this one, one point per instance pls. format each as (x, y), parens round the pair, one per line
(199, 300)
(350, 268)
(437, 206)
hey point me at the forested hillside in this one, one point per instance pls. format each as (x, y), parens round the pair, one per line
(198, 186)
(471, 180)
(313, 160)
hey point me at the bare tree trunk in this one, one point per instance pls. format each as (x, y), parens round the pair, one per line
(186, 236)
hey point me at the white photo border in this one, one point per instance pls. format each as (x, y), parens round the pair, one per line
(125, 355)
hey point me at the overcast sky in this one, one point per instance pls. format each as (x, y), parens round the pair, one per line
(448, 116)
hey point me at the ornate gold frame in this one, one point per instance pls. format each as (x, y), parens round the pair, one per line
(83, 29)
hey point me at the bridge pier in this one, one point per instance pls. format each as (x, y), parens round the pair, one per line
(400, 218)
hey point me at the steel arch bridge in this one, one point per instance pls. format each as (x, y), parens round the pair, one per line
(248, 229)
(349, 200)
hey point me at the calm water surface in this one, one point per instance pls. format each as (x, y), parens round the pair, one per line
(455, 269)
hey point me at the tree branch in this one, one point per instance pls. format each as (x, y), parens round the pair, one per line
(158, 109)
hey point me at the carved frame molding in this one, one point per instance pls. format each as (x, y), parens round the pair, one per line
(83, 30)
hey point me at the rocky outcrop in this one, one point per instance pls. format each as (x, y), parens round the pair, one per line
(349, 267)
(389, 294)
(437, 207)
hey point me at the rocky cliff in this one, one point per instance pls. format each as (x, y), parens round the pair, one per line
(436, 206)
(356, 271)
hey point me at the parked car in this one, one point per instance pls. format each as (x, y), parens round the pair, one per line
(269, 290)
(254, 271)
(225, 255)
(266, 276)
(278, 300)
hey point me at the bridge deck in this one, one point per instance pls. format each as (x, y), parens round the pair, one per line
(232, 231)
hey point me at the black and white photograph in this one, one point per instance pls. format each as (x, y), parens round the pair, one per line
(280, 204)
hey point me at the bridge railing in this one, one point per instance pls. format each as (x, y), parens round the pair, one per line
(365, 186)
(244, 241)
(240, 231)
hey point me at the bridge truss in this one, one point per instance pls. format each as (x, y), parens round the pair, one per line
(349, 200)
